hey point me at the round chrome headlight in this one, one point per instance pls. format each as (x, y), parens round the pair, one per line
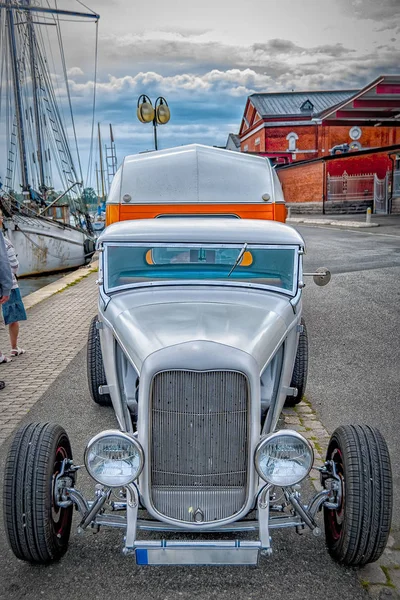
(284, 458)
(114, 458)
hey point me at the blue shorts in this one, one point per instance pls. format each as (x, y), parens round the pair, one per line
(13, 309)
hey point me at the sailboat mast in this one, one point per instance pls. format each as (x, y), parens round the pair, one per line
(18, 99)
(101, 164)
(32, 58)
(97, 181)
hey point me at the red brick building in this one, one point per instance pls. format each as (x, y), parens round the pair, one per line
(291, 126)
(349, 182)
(295, 128)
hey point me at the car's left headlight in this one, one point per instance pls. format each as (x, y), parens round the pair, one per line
(284, 458)
(114, 458)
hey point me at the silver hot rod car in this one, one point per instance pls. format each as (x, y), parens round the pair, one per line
(198, 344)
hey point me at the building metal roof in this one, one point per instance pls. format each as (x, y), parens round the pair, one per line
(235, 139)
(291, 103)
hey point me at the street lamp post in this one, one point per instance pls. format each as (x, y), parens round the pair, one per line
(159, 114)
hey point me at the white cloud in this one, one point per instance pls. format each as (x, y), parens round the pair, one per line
(376, 11)
(232, 82)
(75, 72)
(323, 68)
(385, 14)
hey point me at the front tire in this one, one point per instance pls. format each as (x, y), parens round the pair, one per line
(300, 369)
(95, 369)
(357, 533)
(37, 529)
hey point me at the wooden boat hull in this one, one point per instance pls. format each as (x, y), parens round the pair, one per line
(45, 246)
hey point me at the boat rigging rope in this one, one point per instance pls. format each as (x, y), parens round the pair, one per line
(89, 169)
(68, 93)
(3, 60)
(54, 138)
(50, 47)
(87, 7)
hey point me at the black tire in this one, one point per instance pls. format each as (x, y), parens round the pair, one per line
(300, 369)
(37, 530)
(357, 533)
(95, 369)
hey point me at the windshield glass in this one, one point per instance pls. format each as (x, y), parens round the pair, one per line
(272, 266)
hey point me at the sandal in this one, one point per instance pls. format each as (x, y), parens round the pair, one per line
(4, 359)
(17, 351)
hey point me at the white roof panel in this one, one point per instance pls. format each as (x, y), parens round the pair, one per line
(192, 174)
(202, 230)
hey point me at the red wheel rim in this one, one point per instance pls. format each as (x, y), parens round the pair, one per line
(336, 517)
(59, 516)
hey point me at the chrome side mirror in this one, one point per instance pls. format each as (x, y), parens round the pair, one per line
(322, 276)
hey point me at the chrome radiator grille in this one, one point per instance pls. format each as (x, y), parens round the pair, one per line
(199, 444)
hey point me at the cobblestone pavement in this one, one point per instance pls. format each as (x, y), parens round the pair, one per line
(382, 578)
(55, 331)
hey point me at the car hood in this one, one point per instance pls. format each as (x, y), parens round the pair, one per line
(253, 327)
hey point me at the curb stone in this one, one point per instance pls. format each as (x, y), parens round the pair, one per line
(380, 579)
(355, 224)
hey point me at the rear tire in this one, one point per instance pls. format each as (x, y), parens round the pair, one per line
(37, 529)
(95, 369)
(300, 369)
(357, 533)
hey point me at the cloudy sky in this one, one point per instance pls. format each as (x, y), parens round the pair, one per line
(207, 57)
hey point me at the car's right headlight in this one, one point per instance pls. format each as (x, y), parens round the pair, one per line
(114, 458)
(284, 458)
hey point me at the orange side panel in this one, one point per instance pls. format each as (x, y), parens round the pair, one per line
(112, 213)
(280, 212)
(124, 212)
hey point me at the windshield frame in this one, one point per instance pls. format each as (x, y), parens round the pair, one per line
(228, 282)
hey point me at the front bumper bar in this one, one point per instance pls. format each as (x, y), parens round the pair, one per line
(196, 552)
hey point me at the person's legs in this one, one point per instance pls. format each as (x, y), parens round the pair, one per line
(14, 312)
(4, 358)
(13, 330)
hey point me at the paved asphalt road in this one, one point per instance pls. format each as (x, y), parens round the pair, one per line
(353, 378)
(354, 329)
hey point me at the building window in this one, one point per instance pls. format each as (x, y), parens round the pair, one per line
(307, 106)
(245, 148)
(257, 141)
(292, 137)
(355, 133)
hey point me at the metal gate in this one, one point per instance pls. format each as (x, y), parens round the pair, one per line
(359, 188)
(380, 195)
(350, 187)
(396, 184)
